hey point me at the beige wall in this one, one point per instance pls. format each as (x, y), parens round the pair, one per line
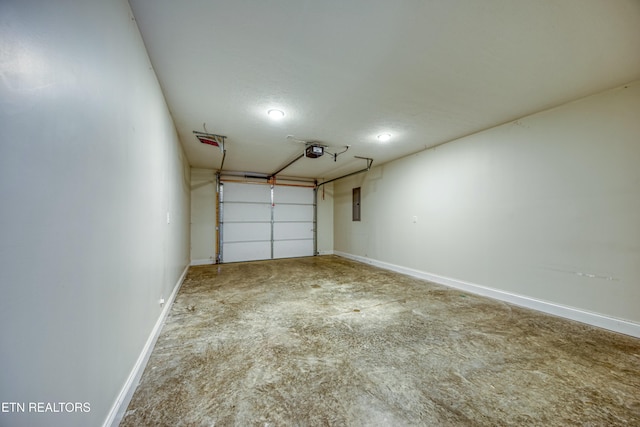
(547, 207)
(203, 216)
(94, 211)
(325, 219)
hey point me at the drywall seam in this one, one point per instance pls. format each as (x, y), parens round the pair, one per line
(122, 402)
(205, 261)
(590, 318)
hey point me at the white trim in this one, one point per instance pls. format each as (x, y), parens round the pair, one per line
(329, 252)
(206, 261)
(594, 319)
(122, 402)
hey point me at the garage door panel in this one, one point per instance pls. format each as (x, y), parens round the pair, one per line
(246, 232)
(293, 212)
(248, 251)
(236, 192)
(288, 231)
(234, 211)
(300, 195)
(292, 248)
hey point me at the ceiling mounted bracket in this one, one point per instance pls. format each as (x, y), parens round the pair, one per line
(214, 140)
(211, 139)
(335, 155)
(369, 163)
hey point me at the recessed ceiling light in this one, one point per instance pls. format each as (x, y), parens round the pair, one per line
(384, 137)
(275, 114)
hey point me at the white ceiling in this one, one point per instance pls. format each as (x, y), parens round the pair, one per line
(345, 71)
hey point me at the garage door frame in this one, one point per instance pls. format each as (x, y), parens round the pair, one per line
(287, 220)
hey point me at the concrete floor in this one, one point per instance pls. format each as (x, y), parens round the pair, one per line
(328, 341)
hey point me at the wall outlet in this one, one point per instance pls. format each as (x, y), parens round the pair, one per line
(161, 301)
(168, 218)
(415, 219)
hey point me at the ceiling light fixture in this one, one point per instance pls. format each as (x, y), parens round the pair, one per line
(275, 114)
(384, 137)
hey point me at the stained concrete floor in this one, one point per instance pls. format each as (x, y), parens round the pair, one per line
(327, 341)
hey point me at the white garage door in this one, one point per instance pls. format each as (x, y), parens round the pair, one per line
(260, 223)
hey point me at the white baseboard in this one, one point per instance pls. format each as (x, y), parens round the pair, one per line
(594, 319)
(207, 261)
(122, 402)
(329, 252)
